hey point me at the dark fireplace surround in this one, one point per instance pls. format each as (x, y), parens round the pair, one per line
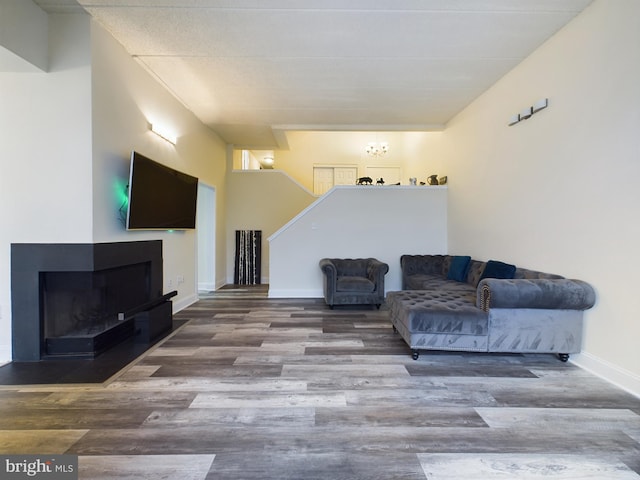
(78, 300)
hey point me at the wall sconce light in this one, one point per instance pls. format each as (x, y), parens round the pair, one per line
(529, 111)
(526, 113)
(163, 132)
(515, 119)
(539, 105)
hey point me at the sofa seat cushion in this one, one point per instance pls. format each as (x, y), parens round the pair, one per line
(436, 282)
(347, 283)
(442, 311)
(420, 281)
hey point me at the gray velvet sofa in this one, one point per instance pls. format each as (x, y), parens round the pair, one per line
(353, 281)
(445, 306)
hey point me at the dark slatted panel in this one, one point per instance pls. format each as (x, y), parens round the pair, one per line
(248, 257)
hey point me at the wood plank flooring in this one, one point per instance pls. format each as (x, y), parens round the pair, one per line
(257, 388)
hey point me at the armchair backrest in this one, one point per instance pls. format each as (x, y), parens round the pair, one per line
(353, 267)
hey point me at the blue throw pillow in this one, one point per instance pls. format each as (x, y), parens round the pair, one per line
(459, 268)
(495, 269)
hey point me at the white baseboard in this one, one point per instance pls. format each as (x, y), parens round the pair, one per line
(619, 377)
(295, 293)
(206, 286)
(5, 354)
(184, 303)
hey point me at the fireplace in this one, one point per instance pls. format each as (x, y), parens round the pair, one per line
(81, 299)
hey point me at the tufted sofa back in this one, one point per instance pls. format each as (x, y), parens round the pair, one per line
(424, 264)
(532, 274)
(440, 264)
(475, 272)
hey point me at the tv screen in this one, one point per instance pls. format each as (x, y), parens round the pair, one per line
(160, 198)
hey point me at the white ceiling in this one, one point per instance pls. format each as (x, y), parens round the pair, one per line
(252, 68)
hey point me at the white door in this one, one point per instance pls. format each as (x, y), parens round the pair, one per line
(345, 175)
(322, 180)
(206, 237)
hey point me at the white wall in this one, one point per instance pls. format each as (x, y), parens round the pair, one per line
(261, 200)
(416, 153)
(45, 154)
(23, 37)
(125, 99)
(357, 222)
(559, 192)
(64, 153)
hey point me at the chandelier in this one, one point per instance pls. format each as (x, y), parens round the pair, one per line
(377, 150)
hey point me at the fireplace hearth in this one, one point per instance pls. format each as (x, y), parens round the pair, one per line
(78, 300)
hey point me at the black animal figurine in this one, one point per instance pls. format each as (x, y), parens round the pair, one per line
(364, 181)
(380, 181)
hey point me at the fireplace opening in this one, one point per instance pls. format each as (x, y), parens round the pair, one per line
(83, 312)
(87, 303)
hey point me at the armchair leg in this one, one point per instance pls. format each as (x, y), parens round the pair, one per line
(415, 354)
(563, 357)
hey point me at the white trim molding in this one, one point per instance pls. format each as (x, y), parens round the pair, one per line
(624, 379)
(184, 303)
(5, 354)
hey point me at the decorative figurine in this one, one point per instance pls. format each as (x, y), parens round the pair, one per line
(432, 180)
(364, 181)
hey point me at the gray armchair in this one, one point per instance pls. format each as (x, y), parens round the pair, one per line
(353, 281)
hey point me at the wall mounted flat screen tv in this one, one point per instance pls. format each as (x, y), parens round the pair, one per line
(160, 198)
